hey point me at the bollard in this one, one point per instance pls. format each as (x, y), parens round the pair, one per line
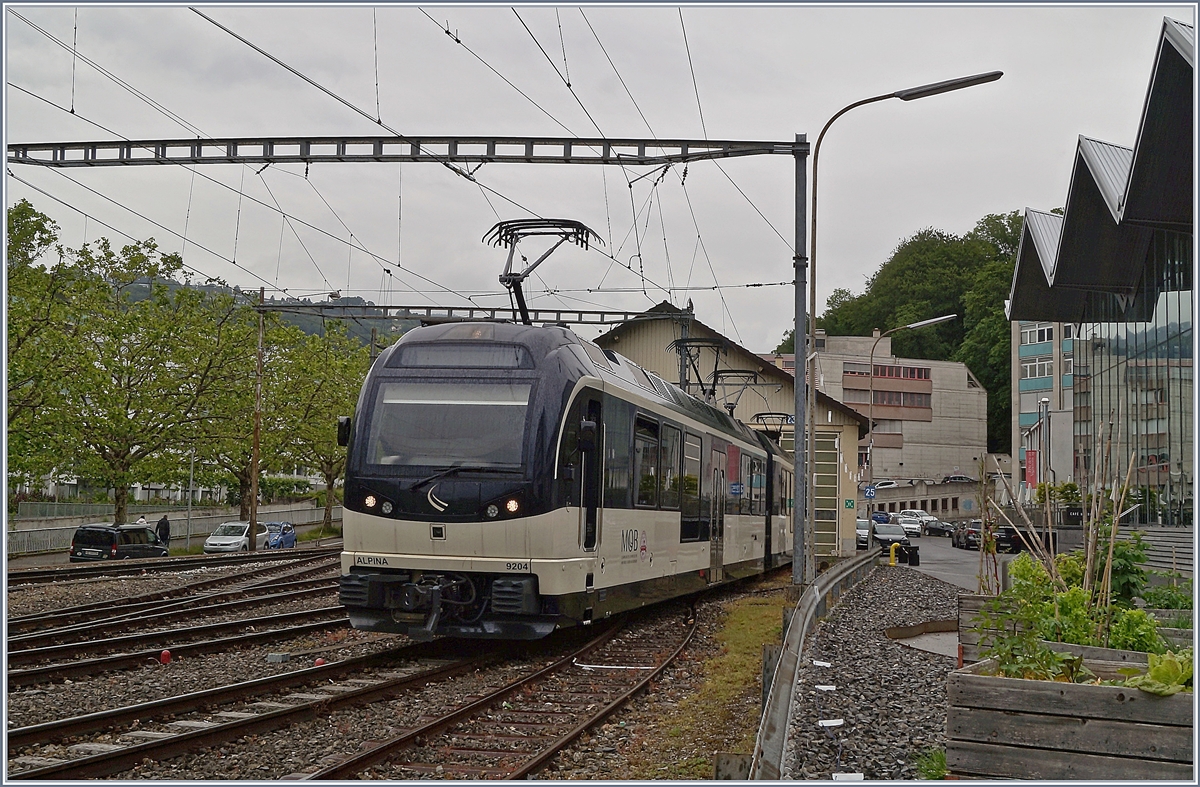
(892, 556)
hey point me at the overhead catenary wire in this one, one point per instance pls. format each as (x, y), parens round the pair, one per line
(565, 81)
(382, 261)
(87, 215)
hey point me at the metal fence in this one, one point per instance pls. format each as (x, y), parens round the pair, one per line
(54, 539)
(30, 509)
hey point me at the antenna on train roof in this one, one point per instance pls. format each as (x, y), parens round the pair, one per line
(509, 233)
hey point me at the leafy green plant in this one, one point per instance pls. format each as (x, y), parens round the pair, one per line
(1135, 629)
(1072, 621)
(1070, 568)
(1169, 673)
(1128, 576)
(1176, 594)
(932, 764)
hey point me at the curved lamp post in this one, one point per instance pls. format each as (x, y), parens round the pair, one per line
(805, 348)
(871, 387)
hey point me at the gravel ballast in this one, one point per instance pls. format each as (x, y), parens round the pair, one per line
(890, 697)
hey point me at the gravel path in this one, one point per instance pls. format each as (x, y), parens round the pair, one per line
(891, 698)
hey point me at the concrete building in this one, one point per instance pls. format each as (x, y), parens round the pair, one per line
(930, 416)
(1118, 263)
(676, 346)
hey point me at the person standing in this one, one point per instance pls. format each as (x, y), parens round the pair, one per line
(164, 531)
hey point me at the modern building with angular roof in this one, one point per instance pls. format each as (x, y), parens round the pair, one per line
(1113, 272)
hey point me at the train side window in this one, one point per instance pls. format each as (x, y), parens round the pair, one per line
(689, 529)
(645, 462)
(758, 487)
(669, 464)
(745, 502)
(618, 441)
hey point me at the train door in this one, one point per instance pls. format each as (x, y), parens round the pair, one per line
(590, 476)
(716, 542)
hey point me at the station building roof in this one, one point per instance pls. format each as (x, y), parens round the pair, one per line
(1117, 197)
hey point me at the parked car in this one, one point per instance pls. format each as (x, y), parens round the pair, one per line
(862, 533)
(280, 535)
(966, 535)
(881, 517)
(911, 523)
(962, 479)
(937, 528)
(921, 514)
(112, 542)
(886, 535)
(231, 537)
(885, 484)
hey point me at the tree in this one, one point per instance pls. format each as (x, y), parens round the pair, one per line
(316, 379)
(152, 366)
(44, 307)
(227, 437)
(934, 273)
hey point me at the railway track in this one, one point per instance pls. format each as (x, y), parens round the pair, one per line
(515, 730)
(90, 667)
(169, 727)
(252, 579)
(119, 568)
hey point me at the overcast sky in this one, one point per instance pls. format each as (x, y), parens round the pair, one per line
(763, 73)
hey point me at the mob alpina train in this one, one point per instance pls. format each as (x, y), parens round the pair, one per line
(506, 480)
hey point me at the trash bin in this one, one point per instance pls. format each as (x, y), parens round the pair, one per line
(914, 558)
(902, 554)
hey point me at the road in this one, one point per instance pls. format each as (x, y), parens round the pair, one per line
(956, 566)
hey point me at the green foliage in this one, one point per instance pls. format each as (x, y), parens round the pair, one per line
(1167, 674)
(1177, 594)
(1066, 493)
(788, 343)
(1072, 621)
(933, 273)
(1070, 567)
(932, 764)
(1134, 629)
(1128, 576)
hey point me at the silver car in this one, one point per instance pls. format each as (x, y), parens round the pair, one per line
(911, 523)
(231, 537)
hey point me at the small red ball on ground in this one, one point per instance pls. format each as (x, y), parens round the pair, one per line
(165, 657)
(318, 662)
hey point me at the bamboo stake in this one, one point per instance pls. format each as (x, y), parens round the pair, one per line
(1040, 553)
(1035, 548)
(1106, 588)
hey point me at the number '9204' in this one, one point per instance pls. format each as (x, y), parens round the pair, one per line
(516, 566)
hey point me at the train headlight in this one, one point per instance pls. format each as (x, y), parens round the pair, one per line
(492, 511)
(512, 505)
(387, 508)
(369, 501)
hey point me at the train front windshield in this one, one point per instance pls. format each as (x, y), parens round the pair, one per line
(441, 424)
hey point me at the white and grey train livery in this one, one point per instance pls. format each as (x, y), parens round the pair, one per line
(506, 480)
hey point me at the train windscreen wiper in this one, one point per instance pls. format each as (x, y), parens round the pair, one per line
(453, 470)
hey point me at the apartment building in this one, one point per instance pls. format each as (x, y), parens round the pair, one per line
(1043, 368)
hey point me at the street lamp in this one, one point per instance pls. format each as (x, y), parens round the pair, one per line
(871, 386)
(907, 94)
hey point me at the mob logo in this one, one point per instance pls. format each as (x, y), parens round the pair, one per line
(629, 541)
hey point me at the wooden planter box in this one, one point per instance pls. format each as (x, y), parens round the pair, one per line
(1033, 729)
(970, 634)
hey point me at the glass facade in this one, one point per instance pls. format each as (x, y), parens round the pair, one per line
(1133, 386)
